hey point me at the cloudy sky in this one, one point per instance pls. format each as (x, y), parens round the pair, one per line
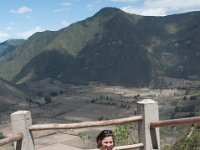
(22, 18)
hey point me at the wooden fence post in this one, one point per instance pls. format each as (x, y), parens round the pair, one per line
(149, 137)
(21, 120)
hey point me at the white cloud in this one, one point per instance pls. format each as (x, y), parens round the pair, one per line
(90, 7)
(63, 7)
(60, 10)
(21, 10)
(3, 36)
(9, 28)
(164, 7)
(145, 12)
(123, 1)
(28, 33)
(171, 4)
(65, 23)
(66, 4)
(94, 4)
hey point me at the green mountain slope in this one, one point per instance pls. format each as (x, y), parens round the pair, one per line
(112, 47)
(114, 57)
(12, 63)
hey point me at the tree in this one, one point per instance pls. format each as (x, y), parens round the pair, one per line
(47, 99)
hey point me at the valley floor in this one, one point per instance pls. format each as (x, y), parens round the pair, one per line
(70, 103)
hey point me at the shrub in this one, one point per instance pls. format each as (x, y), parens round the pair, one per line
(2, 136)
(188, 143)
(124, 135)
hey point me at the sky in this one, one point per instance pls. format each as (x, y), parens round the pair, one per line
(19, 19)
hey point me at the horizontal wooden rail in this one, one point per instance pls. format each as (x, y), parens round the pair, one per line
(86, 124)
(12, 139)
(175, 122)
(127, 147)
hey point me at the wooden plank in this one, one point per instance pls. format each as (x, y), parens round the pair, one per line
(127, 147)
(59, 146)
(176, 122)
(86, 124)
(12, 139)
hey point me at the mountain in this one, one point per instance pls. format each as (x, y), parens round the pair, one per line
(9, 45)
(10, 96)
(111, 47)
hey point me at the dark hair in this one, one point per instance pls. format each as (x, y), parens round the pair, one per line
(102, 135)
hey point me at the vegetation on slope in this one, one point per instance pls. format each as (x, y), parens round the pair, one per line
(112, 47)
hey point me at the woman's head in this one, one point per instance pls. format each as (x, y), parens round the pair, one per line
(105, 140)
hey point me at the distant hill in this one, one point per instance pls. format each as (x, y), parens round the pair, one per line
(112, 47)
(10, 96)
(9, 45)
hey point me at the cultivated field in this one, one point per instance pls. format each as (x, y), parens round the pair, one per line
(71, 103)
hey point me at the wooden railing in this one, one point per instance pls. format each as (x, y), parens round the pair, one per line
(15, 138)
(147, 119)
(172, 122)
(92, 124)
(86, 124)
(127, 147)
(176, 122)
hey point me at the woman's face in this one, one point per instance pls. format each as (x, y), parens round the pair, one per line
(107, 143)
